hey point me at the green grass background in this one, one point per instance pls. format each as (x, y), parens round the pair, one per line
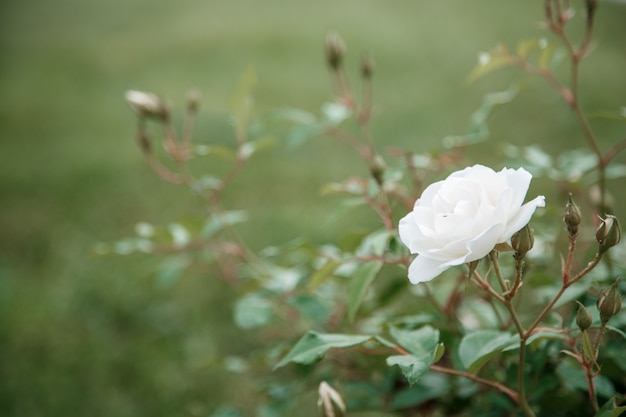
(99, 336)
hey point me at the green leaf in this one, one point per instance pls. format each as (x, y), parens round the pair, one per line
(587, 345)
(431, 386)
(419, 342)
(250, 148)
(312, 346)
(221, 151)
(359, 283)
(575, 291)
(478, 347)
(171, 269)
(526, 47)
(425, 349)
(546, 59)
(616, 330)
(412, 367)
(375, 243)
(499, 57)
(294, 115)
(573, 377)
(298, 135)
(207, 182)
(253, 310)
(311, 308)
(321, 275)
(219, 221)
(610, 409)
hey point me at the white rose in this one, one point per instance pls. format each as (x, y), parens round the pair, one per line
(462, 218)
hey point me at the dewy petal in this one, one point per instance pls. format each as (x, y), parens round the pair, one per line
(424, 269)
(522, 217)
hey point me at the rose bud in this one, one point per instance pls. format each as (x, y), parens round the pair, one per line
(147, 105)
(609, 302)
(583, 317)
(522, 241)
(335, 50)
(572, 217)
(367, 68)
(608, 233)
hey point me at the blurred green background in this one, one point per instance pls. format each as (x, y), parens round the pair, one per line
(101, 336)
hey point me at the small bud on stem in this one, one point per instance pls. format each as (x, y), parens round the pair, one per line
(193, 100)
(583, 317)
(608, 233)
(335, 50)
(591, 10)
(522, 241)
(367, 67)
(377, 168)
(610, 302)
(572, 217)
(147, 105)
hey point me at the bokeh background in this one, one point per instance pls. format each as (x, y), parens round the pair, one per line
(82, 334)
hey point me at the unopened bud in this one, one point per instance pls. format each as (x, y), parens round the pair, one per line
(608, 233)
(335, 50)
(193, 100)
(367, 67)
(147, 104)
(583, 317)
(591, 10)
(609, 302)
(572, 217)
(330, 402)
(377, 168)
(522, 241)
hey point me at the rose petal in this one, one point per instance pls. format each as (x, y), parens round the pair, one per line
(522, 217)
(423, 269)
(519, 181)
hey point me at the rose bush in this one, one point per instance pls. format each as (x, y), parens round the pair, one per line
(462, 218)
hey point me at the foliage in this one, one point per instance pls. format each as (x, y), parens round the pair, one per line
(383, 344)
(500, 325)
